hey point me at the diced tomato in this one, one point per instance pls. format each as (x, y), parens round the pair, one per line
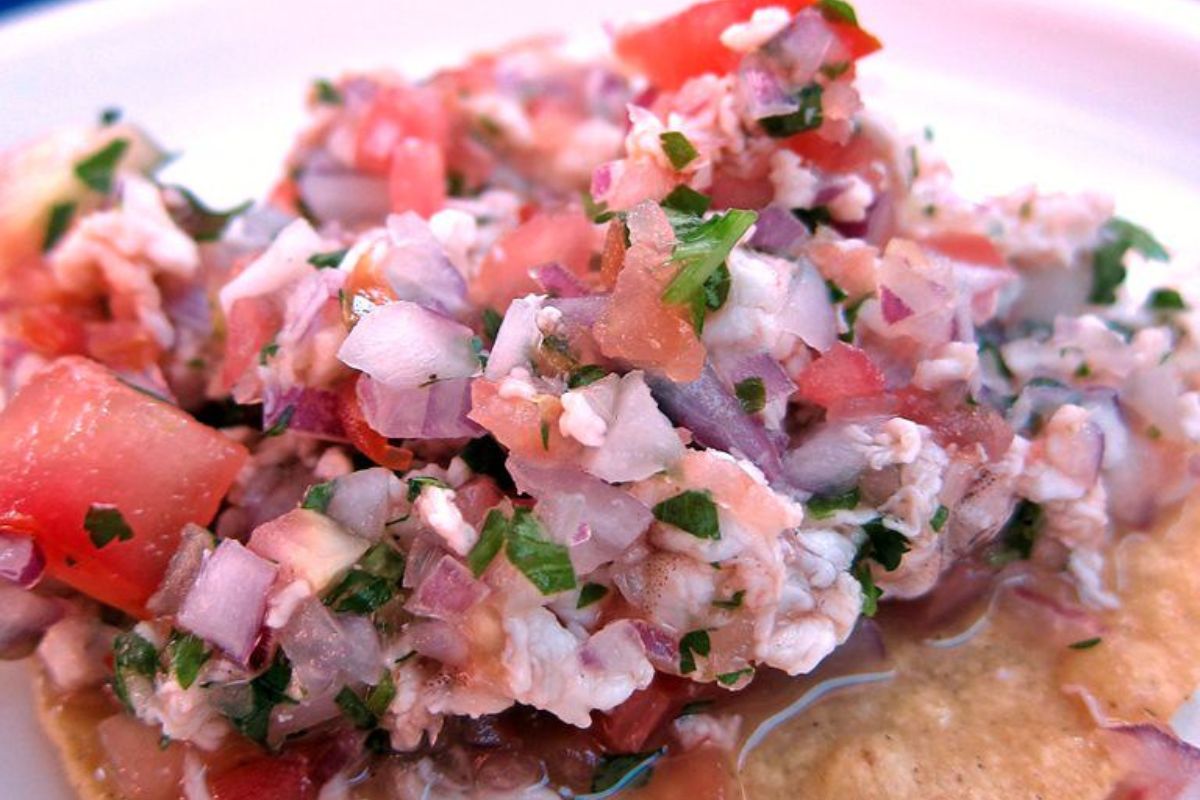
(969, 247)
(525, 427)
(252, 324)
(50, 331)
(396, 114)
(740, 191)
(565, 237)
(121, 344)
(685, 45)
(267, 778)
(476, 497)
(612, 258)
(957, 422)
(853, 156)
(843, 372)
(373, 445)
(138, 764)
(417, 181)
(75, 437)
(638, 721)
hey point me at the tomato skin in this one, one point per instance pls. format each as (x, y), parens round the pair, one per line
(972, 248)
(266, 778)
(842, 373)
(75, 436)
(680, 47)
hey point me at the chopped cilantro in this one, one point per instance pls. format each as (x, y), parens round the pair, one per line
(731, 678)
(813, 217)
(326, 93)
(59, 221)
(693, 643)
(835, 70)
(716, 292)
(1020, 533)
(132, 655)
(110, 116)
(492, 320)
(598, 212)
(1166, 300)
(202, 223)
(823, 506)
(752, 394)
(544, 430)
(1085, 644)
(914, 165)
(355, 709)
(491, 539)
(1153, 432)
(839, 11)
(939, 518)
(850, 315)
(96, 170)
(329, 260)
(585, 376)
(884, 545)
(591, 593)
(268, 351)
(733, 602)
(267, 690)
(104, 524)
(187, 655)
(370, 584)
(281, 422)
(1083, 370)
(691, 511)
(871, 593)
(380, 696)
(1119, 236)
(836, 294)
(807, 117)
(417, 485)
(701, 250)
(687, 200)
(990, 348)
(546, 564)
(616, 773)
(318, 496)
(680, 152)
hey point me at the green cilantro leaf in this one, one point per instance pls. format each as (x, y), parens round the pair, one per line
(693, 643)
(202, 223)
(132, 655)
(326, 93)
(491, 539)
(370, 584)
(281, 422)
(824, 506)
(355, 709)
(267, 690)
(731, 678)
(871, 592)
(110, 116)
(318, 496)
(1118, 237)
(807, 117)
(712, 298)
(96, 170)
(492, 320)
(680, 152)
(752, 394)
(329, 260)
(591, 593)
(1020, 533)
(691, 511)
(939, 518)
(187, 655)
(616, 773)
(585, 376)
(687, 200)
(1085, 644)
(814, 217)
(105, 524)
(59, 221)
(839, 11)
(701, 249)
(887, 546)
(417, 485)
(733, 602)
(546, 564)
(268, 351)
(1166, 300)
(380, 696)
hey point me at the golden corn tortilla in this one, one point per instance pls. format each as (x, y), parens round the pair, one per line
(988, 719)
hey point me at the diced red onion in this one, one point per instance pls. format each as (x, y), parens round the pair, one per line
(777, 231)
(1037, 402)
(300, 409)
(738, 368)
(194, 544)
(516, 339)
(557, 280)
(1159, 765)
(440, 641)
(418, 269)
(803, 45)
(290, 718)
(569, 500)
(582, 312)
(715, 417)
(226, 604)
(639, 441)
(436, 411)
(406, 345)
(328, 649)
(21, 560)
(282, 264)
(448, 590)
(894, 309)
(305, 304)
(762, 93)
(336, 194)
(662, 647)
(24, 617)
(826, 462)
(362, 501)
(808, 312)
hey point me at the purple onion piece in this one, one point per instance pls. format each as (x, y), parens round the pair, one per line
(336, 194)
(303, 410)
(24, 617)
(777, 231)
(406, 344)
(775, 380)
(557, 280)
(21, 560)
(436, 411)
(446, 591)
(226, 604)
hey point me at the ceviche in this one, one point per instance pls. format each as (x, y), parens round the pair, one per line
(550, 417)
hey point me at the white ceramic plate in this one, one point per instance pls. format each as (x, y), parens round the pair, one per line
(1073, 94)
